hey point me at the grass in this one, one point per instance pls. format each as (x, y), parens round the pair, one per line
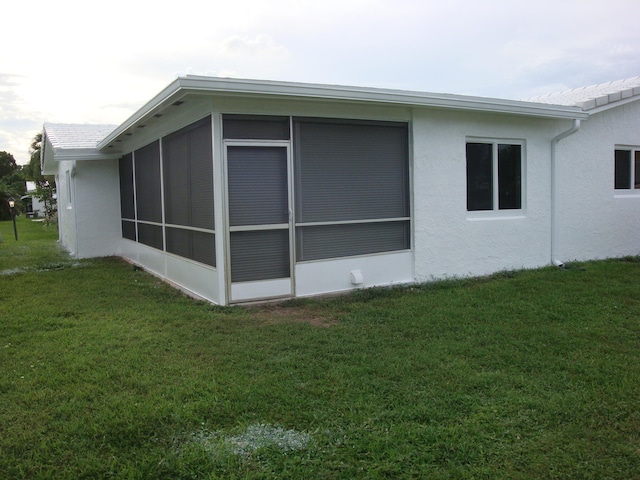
(106, 372)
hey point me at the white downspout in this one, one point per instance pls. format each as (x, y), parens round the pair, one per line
(554, 191)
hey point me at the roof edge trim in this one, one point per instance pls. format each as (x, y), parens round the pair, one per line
(378, 95)
(233, 86)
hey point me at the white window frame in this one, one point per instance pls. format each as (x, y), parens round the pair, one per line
(496, 212)
(633, 190)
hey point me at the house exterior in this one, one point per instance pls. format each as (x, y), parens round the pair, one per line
(240, 190)
(34, 207)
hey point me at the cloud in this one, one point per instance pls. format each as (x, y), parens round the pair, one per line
(259, 46)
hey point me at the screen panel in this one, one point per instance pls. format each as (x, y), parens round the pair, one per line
(127, 205)
(150, 235)
(344, 240)
(350, 171)
(255, 127)
(257, 185)
(260, 255)
(148, 196)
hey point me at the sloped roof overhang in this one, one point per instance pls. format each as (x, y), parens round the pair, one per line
(191, 84)
(56, 150)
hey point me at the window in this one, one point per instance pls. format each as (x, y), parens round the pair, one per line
(494, 176)
(627, 169)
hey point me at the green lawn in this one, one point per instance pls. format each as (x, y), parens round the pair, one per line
(106, 372)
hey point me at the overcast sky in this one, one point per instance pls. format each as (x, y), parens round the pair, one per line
(71, 61)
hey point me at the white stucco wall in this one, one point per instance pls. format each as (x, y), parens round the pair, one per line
(96, 203)
(449, 241)
(595, 220)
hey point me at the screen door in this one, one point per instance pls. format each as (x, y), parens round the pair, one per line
(259, 219)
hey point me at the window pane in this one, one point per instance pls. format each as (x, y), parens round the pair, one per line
(479, 176)
(622, 169)
(636, 182)
(509, 177)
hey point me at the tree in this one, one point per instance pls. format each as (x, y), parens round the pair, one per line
(45, 184)
(7, 164)
(11, 183)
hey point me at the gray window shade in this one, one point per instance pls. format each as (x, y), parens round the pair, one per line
(127, 206)
(188, 176)
(350, 171)
(259, 255)
(255, 127)
(331, 241)
(257, 183)
(198, 246)
(147, 167)
(150, 235)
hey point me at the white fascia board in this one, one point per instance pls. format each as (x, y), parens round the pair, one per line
(378, 95)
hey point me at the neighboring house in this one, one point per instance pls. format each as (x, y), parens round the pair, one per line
(33, 205)
(240, 190)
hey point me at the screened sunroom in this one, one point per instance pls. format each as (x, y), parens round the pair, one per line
(307, 205)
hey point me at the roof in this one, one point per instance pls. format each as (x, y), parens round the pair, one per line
(76, 136)
(175, 92)
(64, 141)
(87, 142)
(595, 97)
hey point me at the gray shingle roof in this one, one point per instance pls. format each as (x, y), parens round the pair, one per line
(594, 96)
